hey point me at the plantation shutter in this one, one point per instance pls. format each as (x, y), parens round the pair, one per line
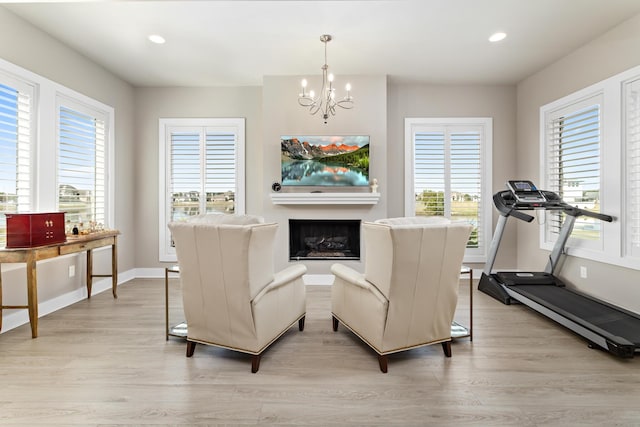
(448, 176)
(184, 178)
(466, 181)
(573, 167)
(220, 170)
(81, 167)
(15, 152)
(202, 172)
(430, 173)
(632, 153)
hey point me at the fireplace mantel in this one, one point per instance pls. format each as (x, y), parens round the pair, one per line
(325, 198)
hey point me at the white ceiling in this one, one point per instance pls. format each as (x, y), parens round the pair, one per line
(236, 43)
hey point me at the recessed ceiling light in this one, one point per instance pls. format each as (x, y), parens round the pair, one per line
(496, 37)
(157, 39)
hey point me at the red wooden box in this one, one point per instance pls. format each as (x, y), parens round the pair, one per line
(26, 230)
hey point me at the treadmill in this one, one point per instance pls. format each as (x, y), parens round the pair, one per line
(602, 324)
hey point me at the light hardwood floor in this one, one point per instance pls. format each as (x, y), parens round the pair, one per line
(106, 362)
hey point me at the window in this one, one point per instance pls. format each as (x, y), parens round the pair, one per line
(448, 173)
(73, 144)
(202, 171)
(631, 122)
(590, 155)
(16, 133)
(81, 165)
(572, 166)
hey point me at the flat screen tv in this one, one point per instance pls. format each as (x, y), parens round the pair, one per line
(326, 161)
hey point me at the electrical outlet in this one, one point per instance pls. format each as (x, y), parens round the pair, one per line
(72, 270)
(583, 272)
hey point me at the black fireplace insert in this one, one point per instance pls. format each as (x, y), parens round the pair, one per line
(321, 239)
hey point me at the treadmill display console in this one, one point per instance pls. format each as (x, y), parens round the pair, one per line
(526, 192)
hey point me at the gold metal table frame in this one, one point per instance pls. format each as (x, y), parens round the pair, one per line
(177, 330)
(30, 256)
(457, 330)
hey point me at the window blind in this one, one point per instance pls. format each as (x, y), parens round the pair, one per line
(15, 152)
(430, 173)
(448, 177)
(202, 173)
(184, 179)
(632, 154)
(220, 171)
(573, 168)
(81, 167)
(466, 182)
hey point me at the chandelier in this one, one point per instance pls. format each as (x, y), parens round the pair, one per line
(325, 102)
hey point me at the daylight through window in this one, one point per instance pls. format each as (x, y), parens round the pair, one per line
(449, 175)
(202, 171)
(81, 168)
(15, 152)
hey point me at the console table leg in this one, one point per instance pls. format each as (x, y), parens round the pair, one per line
(32, 293)
(114, 268)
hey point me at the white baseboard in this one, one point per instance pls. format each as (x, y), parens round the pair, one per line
(150, 273)
(21, 317)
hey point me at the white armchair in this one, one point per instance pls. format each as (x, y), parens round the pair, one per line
(407, 296)
(232, 298)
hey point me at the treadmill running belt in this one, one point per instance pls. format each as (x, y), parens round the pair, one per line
(584, 310)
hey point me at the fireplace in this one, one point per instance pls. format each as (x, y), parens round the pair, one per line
(319, 239)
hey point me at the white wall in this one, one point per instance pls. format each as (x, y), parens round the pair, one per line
(612, 53)
(41, 54)
(155, 103)
(272, 111)
(498, 102)
(283, 116)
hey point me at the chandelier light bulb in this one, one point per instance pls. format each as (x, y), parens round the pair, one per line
(348, 87)
(331, 77)
(312, 94)
(304, 82)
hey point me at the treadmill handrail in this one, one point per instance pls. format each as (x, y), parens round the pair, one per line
(521, 215)
(575, 211)
(498, 201)
(507, 205)
(501, 199)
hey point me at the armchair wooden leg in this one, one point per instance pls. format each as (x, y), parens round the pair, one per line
(301, 324)
(382, 359)
(335, 324)
(191, 347)
(255, 363)
(446, 346)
